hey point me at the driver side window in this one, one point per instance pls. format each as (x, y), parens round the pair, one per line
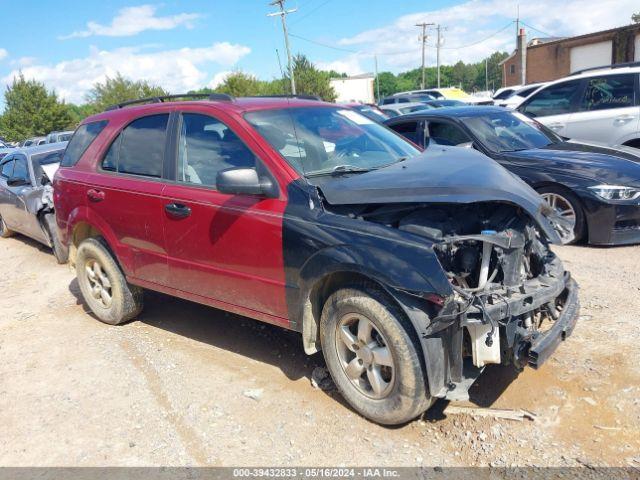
(205, 147)
(444, 133)
(20, 170)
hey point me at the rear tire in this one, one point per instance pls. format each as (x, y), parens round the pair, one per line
(5, 232)
(386, 382)
(565, 195)
(59, 250)
(103, 285)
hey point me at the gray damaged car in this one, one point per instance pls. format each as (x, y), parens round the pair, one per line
(26, 195)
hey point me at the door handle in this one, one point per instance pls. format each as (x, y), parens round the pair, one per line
(95, 195)
(624, 118)
(177, 210)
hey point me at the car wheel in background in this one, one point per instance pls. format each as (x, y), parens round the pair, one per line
(567, 205)
(59, 250)
(5, 231)
(371, 351)
(103, 285)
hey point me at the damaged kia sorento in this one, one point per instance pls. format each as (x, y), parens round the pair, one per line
(411, 271)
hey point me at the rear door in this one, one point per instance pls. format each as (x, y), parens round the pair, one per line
(221, 247)
(126, 193)
(554, 105)
(608, 111)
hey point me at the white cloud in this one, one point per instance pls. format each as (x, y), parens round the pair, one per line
(133, 20)
(349, 65)
(398, 46)
(3, 53)
(175, 70)
(218, 78)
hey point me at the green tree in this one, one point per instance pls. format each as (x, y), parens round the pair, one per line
(120, 89)
(32, 110)
(240, 84)
(635, 18)
(310, 80)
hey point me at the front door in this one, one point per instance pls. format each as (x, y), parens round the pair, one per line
(222, 248)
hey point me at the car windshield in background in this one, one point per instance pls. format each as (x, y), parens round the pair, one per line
(372, 113)
(324, 140)
(48, 158)
(509, 132)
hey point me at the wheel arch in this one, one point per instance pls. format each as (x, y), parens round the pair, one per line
(561, 186)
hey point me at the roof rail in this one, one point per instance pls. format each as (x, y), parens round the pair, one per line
(605, 67)
(214, 97)
(299, 96)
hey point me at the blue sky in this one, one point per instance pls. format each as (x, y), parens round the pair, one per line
(180, 45)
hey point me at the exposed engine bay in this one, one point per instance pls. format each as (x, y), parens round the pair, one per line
(508, 286)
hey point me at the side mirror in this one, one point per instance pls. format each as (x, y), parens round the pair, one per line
(243, 181)
(17, 182)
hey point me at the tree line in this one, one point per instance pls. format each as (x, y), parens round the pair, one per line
(32, 110)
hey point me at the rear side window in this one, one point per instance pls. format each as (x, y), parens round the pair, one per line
(553, 100)
(80, 141)
(444, 133)
(613, 91)
(139, 149)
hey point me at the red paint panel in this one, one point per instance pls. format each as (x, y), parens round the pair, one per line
(229, 248)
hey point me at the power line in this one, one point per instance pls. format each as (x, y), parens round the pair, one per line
(537, 29)
(483, 40)
(310, 12)
(326, 45)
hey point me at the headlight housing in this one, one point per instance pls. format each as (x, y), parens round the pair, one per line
(615, 192)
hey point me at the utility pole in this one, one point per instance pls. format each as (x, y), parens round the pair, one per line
(486, 74)
(423, 39)
(375, 61)
(438, 54)
(283, 13)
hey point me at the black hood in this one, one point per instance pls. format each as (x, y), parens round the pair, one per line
(439, 175)
(599, 163)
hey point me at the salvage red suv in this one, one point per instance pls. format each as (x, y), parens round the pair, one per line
(401, 266)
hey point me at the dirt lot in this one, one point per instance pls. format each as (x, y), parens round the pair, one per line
(175, 387)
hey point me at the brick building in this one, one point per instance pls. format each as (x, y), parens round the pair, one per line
(552, 58)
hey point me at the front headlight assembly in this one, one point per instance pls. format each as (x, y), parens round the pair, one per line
(615, 192)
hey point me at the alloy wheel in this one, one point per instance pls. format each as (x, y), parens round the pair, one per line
(565, 210)
(365, 356)
(99, 283)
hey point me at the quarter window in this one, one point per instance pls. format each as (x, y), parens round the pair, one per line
(553, 100)
(139, 149)
(614, 91)
(207, 146)
(80, 141)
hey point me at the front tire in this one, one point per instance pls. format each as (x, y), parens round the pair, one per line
(103, 285)
(370, 349)
(567, 205)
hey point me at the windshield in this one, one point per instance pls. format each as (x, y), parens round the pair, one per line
(509, 132)
(318, 140)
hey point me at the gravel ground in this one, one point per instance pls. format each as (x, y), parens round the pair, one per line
(190, 385)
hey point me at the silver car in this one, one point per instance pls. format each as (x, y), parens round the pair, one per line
(26, 195)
